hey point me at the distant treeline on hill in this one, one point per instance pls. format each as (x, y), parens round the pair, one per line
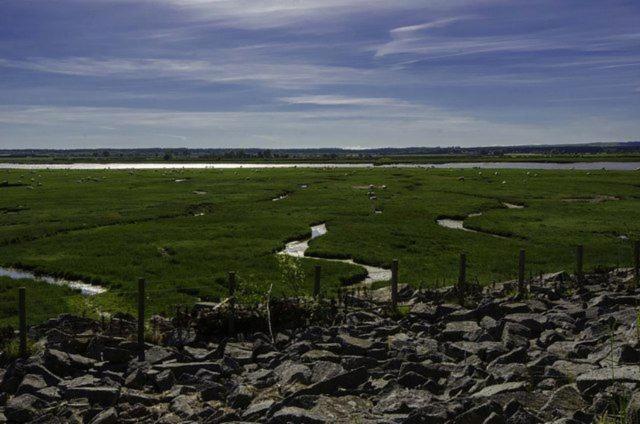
(182, 154)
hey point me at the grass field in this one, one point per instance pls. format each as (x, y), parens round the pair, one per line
(184, 230)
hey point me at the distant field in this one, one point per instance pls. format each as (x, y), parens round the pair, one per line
(377, 160)
(184, 230)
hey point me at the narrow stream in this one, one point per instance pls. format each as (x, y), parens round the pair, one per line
(298, 248)
(85, 288)
(458, 224)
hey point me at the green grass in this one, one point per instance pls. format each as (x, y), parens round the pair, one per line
(43, 301)
(112, 227)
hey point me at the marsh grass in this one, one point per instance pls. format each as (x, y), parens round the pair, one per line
(112, 227)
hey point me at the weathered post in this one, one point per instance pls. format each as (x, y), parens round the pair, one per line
(521, 286)
(580, 263)
(394, 284)
(22, 318)
(462, 277)
(141, 287)
(232, 303)
(179, 325)
(316, 282)
(636, 262)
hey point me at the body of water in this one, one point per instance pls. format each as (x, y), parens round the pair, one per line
(298, 249)
(85, 288)
(613, 166)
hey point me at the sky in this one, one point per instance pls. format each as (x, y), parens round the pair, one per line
(317, 73)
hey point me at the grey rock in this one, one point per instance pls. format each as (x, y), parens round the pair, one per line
(108, 416)
(459, 330)
(564, 402)
(241, 396)
(23, 408)
(354, 345)
(633, 409)
(320, 355)
(63, 363)
(257, 409)
(49, 394)
(289, 372)
(182, 406)
(324, 370)
(164, 380)
(105, 396)
(347, 380)
(603, 377)
(403, 401)
(478, 414)
(178, 368)
(501, 388)
(494, 418)
(31, 383)
(292, 414)
(412, 380)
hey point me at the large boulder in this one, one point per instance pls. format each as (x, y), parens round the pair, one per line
(603, 377)
(354, 345)
(289, 372)
(62, 363)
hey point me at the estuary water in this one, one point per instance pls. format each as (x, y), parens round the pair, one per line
(612, 166)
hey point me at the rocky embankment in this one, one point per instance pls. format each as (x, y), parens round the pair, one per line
(563, 354)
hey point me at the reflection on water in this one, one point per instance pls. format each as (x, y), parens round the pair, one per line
(85, 288)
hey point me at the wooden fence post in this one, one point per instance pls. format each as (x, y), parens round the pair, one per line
(580, 263)
(521, 286)
(232, 303)
(462, 277)
(316, 282)
(141, 295)
(636, 262)
(22, 317)
(394, 284)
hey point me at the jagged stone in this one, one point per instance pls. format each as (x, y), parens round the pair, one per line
(501, 388)
(603, 377)
(354, 345)
(289, 372)
(478, 414)
(105, 396)
(31, 383)
(108, 416)
(564, 402)
(292, 414)
(23, 408)
(63, 363)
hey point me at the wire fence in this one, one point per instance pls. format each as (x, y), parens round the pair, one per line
(347, 299)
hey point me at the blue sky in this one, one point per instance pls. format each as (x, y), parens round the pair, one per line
(317, 73)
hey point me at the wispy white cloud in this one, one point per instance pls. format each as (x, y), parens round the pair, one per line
(421, 40)
(276, 13)
(335, 100)
(440, 23)
(223, 70)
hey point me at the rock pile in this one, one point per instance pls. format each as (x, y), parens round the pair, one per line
(562, 354)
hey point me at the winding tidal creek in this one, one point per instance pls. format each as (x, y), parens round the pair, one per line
(85, 288)
(298, 249)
